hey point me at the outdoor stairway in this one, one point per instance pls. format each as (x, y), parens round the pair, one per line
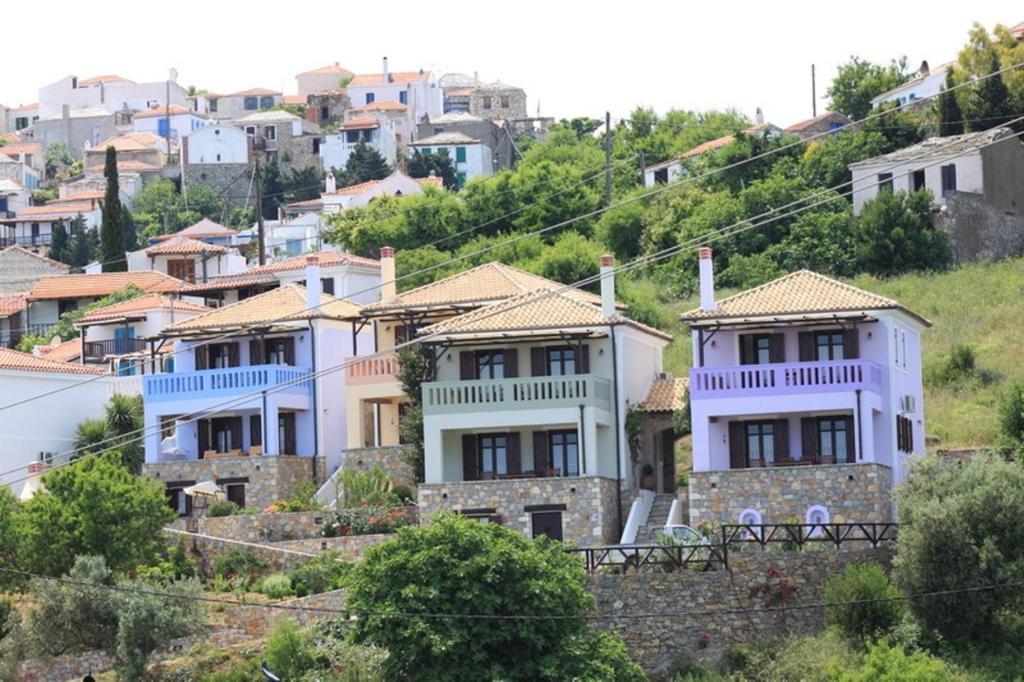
(649, 532)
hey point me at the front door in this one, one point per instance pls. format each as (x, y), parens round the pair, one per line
(547, 523)
(668, 460)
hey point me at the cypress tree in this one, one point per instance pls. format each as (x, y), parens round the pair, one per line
(82, 243)
(112, 256)
(59, 243)
(951, 119)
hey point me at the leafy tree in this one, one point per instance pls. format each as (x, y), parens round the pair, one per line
(57, 158)
(421, 266)
(288, 655)
(866, 604)
(59, 247)
(95, 506)
(895, 233)
(272, 189)
(421, 165)
(960, 528)
(364, 163)
(1011, 415)
(112, 252)
(581, 127)
(987, 103)
(74, 617)
(415, 367)
(146, 622)
(131, 238)
(550, 193)
(621, 228)
(9, 507)
(91, 436)
(745, 160)
(302, 184)
(571, 258)
(825, 162)
(750, 271)
(858, 81)
(951, 119)
(457, 566)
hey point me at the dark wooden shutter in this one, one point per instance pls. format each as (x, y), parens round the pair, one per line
(470, 469)
(777, 348)
(327, 285)
(515, 457)
(255, 430)
(232, 354)
(780, 432)
(737, 446)
(202, 355)
(851, 344)
(541, 452)
(851, 454)
(538, 362)
(256, 352)
(235, 424)
(511, 363)
(747, 349)
(203, 429)
(289, 351)
(290, 435)
(467, 365)
(583, 366)
(806, 342)
(809, 439)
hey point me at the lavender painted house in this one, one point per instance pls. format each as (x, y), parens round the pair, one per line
(806, 401)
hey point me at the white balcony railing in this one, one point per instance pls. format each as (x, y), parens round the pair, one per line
(785, 378)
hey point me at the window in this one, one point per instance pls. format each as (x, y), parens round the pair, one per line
(565, 452)
(325, 113)
(948, 179)
(163, 127)
(487, 102)
(369, 98)
(661, 176)
(917, 180)
(66, 305)
(179, 501)
(403, 97)
(21, 122)
(270, 133)
(884, 182)
(212, 105)
(250, 131)
(760, 441)
(493, 449)
(504, 101)
(442, 150)
(834, 126)
(423, 150)
(834, 439)
(266, 102)
(460, 155)
(490, 364)
(904, 434)
(561, 361)
(761, 349)
(286, 433)
(278, 352)
(35, 232)
(222, 355)
(236, 493)
(183, 269)
(250, 103)
(547, 524)
(255, 431)
(327, 285)
(829, 345)
(224, 439)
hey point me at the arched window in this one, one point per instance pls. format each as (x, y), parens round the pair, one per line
(750, 517)
(817, 515)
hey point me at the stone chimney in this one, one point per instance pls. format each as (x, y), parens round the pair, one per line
(607, 286)
(759, 117)
(388, 288)
(313, 285)
(387, 75)
(707, 280)
(330, 186)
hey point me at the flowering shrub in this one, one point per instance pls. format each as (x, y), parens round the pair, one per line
(367, 520)
(775, 592)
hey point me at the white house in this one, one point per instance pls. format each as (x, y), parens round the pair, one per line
(31, 433)
(926, 83)
(290, 236)
(217, 144)
(187, 259)
(378, 133)
(470, 157)
(418, 90)
(236, 104)
(175, 121)
(109, 92)
(32, 226)
(20, 117)
(336, 199)
(806, 400)
(985, 163)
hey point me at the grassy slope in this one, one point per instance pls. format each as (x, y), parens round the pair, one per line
(982, 305)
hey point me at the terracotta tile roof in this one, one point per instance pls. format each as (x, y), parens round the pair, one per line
(294, 99)
(534, 311)
(800, 126)
(128, 142)
(328, 259)
(13, 149)
(66, 351)
(26, 362)
(224, 282)
(720, 142)
(54, 263)
(666, 395)
(381, 106)
(11, 304)
(107, 78)
(204, 229)
(360, 124)
(353, 190)
(798, 293)
(85, 195)
(179, 245)
(143, 304)
(175, 110)
(64, 208)
(365, 79)
(431, 181)
(93, 286)
(481, 285)
(330, 68)
(22, 107)
(253, 92)
(284, 304)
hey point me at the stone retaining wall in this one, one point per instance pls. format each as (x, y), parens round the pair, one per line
(264, 527)
(387, 458)
(588, 517)
(661, 644)
(979, 231)
(255, 621)
(850, 492)
(350, 546)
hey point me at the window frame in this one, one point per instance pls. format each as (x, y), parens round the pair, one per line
(948, 178)
(488, 360)
(492, 443)
(830, 344)
(557, 356)
(270, 133)
(765, 434)
(569, 438)
(834, 438)
(250, 103)
(885, 183)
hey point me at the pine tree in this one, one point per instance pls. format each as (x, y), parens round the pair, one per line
(59, 250)
(990, 99)
(83, 243)
(272, 189)
(365, 163)
(112, 255)
(951, 119)
(421, 165)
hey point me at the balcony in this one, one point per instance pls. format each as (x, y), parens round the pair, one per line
(497, 395)
(785, 379)
(376, 370)
(96, 351)
(233, 381)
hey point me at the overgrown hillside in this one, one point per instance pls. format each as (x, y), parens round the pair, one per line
(978, 305)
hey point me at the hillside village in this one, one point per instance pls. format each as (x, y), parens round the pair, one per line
(393, 377)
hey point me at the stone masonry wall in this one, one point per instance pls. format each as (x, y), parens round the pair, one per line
(689, 632)
(387, 458)
(264, 527)
(588, 518)
(979, 231)
(229, 180)
(270, 478)
(255, 621)
(850, 492)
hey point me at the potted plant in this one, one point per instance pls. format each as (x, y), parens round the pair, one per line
(647, 479)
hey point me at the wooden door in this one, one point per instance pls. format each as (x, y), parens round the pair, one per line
(547, 523)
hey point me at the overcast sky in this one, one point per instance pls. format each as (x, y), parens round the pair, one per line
(574, 58)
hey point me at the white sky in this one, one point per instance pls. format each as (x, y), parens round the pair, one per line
(574, 57)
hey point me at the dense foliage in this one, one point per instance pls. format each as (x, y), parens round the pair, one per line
(112, 242)
(859, 81)
(866, 604)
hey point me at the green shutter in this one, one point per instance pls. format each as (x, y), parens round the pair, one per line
(460, 154)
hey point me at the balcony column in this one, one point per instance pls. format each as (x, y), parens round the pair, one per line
(588, 438)
(151, 441)
(268, 420)
(433, 455)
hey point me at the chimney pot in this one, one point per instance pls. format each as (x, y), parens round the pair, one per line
(707, 280)
(388, 286)
(607, 286)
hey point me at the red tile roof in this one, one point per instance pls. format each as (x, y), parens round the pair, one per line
(432, 181)
(140, 305)
(360, 124)
(364, 79)
(354, 190)
(13, 149)
(179, 245)
(94, 286)
(294, 99)
(327, 259)
(66, 351)
(25, 362)
(330, 68)
(11, 304)
(64, 208)
(381, 106)
(108, 78)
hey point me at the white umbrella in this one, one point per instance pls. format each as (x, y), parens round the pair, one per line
(205, 489)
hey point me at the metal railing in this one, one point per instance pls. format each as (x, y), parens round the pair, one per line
(658, 558)
(97, 350)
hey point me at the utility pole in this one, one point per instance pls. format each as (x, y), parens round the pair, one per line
(259, 211)
(607, 158)
(814, 94)
(643, 167)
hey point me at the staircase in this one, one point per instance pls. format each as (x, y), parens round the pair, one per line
(652, 529)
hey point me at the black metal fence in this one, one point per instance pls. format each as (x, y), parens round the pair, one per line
(656, 558)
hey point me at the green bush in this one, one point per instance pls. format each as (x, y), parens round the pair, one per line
(175, 564)
(874, 617)
(223, 508)
(370, 488)
(1011, 415)
(885, 663)
(323, 573)
(239, 563)
(288, 657)
(277, 586)
(6, 622)
(404, 493)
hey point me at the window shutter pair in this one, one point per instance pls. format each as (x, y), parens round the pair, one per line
(256, 430)
(809, 450)
(808, 350)
(780, 435)
(583, 363)
(515, 454)
(235, 424)
(232, 354)
(851, 344)
(539, 360)
(748, 348)
(289, 351)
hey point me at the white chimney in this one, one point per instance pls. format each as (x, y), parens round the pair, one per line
(759, 117)
(331, 186)
(313, 285)
(387, 77)
(388, 289)
(607, 286)
(707, 280)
